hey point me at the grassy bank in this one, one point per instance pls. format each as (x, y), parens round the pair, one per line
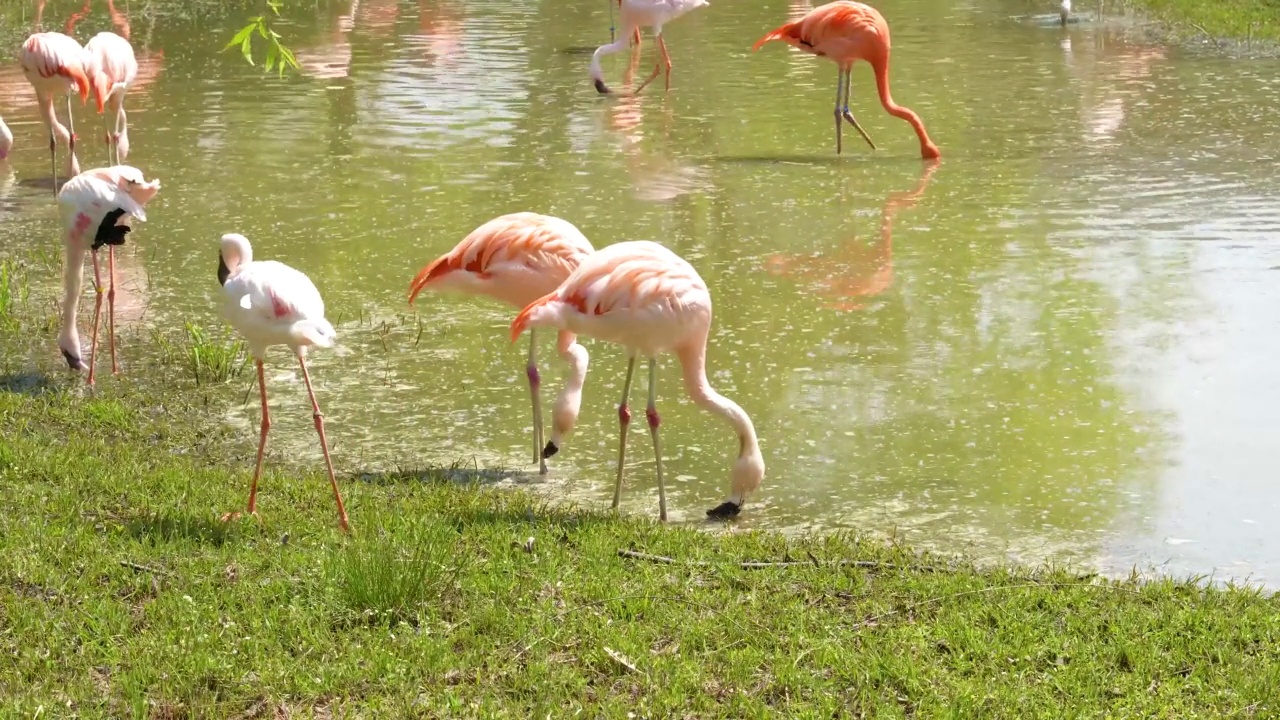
(1233, 21)
(121, 595)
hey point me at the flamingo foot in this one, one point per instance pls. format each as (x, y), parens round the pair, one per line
(848, 116)
(236, 515)
(725, 510)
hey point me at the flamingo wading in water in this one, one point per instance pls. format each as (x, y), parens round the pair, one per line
(112, 67)
(847, 31)
(92, 205)
(54, 65)
(518, 258)
(270, 303)
(635, 15)
(648, 299)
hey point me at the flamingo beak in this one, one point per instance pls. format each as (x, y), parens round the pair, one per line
(223, 271)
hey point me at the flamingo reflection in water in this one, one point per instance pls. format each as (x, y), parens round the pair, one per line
(856, 273)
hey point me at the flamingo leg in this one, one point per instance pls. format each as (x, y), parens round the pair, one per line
(651, 411)
(624, 419)
(71, 129)
(107, 136)
(657, 68)
(97, 309)
(535, 384)
(848, 116)
(53, 159)
(840, 86)
(666, 61)
(111, 306)
(324, 446)
(252, 509)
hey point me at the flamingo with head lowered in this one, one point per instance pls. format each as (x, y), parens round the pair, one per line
(518, 258)
(649, 300)
(270, 303)
(96, 206)
(54, 65)
(847, 31)
(635, 15)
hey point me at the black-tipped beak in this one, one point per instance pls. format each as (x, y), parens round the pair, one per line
(73, 362)
(549, 450)
(223, 271)
(724, 510)
(601, 88)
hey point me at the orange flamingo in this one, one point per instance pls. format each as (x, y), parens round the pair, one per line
(651, 301)
(856, 272)
(54, 65)
(518, 258)
(846, 32)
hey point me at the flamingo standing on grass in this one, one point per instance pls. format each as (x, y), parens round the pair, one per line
(270, 303)
(92, 205)
(635, 15)
(649, 300)
(847, 31)
(518, 258)
(54, 65)
(112, 68)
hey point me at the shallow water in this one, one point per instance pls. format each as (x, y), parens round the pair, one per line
(1055, 344)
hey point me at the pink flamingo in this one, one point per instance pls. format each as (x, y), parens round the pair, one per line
(649, 300)
(92, 204)
(270, 303)
(112, 68)
(53, 64)
(518, 258)
(847, 31)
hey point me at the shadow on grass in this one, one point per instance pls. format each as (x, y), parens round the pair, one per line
(27, 383)
(168, 527)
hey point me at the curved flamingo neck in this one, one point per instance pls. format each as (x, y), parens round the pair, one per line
(928, 150)
(693, 364)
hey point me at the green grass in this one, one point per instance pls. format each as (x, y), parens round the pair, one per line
(122, 595)
(1238, 20)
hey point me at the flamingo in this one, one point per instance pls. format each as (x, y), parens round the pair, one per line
(518, 258)
(1064, 11)
(270, 303)
(846, 32)
(53, 64)
(649, 300)
(95, 201)
(112, 68)
(635, 15)
(6, 140)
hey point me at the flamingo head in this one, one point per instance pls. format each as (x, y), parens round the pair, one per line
(235, 251)
(135, 185)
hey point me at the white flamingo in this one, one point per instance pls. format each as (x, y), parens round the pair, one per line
(270, 303)
(95, 207)
(6, 140)
(637, 14)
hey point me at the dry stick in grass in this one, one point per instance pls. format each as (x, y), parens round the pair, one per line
(876, 618)
(752, 565)
(143, 568)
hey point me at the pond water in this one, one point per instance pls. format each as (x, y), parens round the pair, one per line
(1057, 343)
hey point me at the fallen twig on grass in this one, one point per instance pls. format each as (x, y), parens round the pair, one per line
(755, 565)
(143, 568)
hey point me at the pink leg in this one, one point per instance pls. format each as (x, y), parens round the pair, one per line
(624, 419)
(651, 412)
(324, 447)
(111, 306)
(262, 447)
(97, 309)
(666, 61)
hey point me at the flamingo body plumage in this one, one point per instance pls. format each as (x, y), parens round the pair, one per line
(96, 207)
(845, 32)
(646, 298)
(270, 303)
(6, 140)
(635, 15)
(112, 68)
(54, 65)
(516, 259)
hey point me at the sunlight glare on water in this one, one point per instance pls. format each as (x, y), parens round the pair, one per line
(1056, 343)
